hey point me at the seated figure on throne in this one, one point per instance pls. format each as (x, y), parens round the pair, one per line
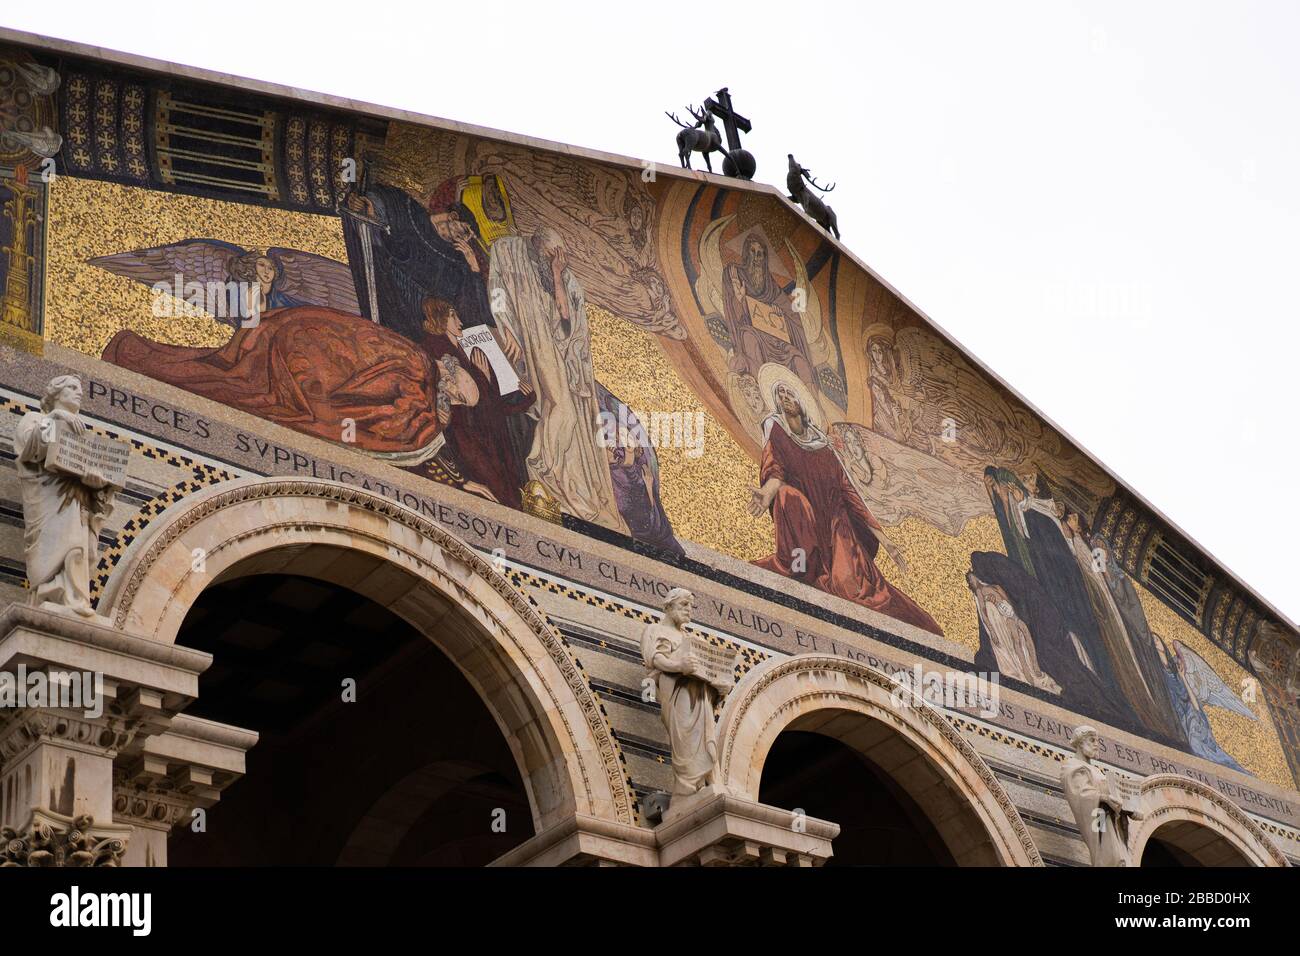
(764, 326)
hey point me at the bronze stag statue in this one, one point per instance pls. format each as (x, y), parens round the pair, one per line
(813, 206)
(694, 139)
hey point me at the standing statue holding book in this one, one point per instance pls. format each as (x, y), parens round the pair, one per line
(1102, 805)
(691, 676)
(69, 476)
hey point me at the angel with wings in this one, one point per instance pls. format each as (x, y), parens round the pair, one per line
(310, 362)
(1193, 686)
(251, 283)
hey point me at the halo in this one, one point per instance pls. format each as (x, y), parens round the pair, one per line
(877, 330)
(770, 374)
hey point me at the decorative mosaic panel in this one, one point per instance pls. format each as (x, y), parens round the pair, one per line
(685, 368)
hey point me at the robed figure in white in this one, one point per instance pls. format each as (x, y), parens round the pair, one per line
(686, 699)
(62, 514)
(1098, 807)
(535, 295)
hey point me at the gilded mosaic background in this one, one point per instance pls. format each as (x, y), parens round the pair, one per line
(676, 362)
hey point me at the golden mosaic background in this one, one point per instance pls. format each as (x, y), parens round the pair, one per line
(705, 497)
(86, 306)
(1254, 744)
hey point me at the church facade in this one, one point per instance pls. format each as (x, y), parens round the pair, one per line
(418, 494)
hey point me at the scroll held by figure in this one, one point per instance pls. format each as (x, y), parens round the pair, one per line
(690, 677)
(69, 476)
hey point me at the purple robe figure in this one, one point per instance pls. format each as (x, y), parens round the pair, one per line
(634, 472)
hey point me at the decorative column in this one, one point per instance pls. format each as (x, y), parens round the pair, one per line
(121, 765)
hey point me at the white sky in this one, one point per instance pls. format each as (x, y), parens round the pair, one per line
(1100, 200)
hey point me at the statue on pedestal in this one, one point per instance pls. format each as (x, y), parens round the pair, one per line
(690, 676)
(1102, 809)
(68, 478)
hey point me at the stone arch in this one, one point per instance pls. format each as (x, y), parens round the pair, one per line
(855, 703)
(1181, 803)
(503, 645)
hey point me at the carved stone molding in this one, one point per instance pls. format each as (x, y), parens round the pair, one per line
(156, 804)
(777, 692)
(51, 839)
(715, 828)
(586, 841)
(142, 560)
(22, 729)
(1171, 798)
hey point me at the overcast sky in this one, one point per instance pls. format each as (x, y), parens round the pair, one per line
(1101, 201)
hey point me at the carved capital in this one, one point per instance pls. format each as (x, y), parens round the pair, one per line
(51, 839)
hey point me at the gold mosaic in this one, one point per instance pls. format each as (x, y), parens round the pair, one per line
(1254, 744)
(705, 497)
(86, 306)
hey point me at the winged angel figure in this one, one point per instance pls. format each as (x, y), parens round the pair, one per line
(1193, 686)
(231, 281)
(897, 481)
(312, 362)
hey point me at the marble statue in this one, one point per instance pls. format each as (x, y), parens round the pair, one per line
(1101, 809)
(690, 678)
(65, 499)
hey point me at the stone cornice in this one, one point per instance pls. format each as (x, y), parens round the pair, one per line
(98, 633)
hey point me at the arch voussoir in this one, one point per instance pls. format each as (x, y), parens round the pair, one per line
(1168, 799)
(901, 733)
(504, 646)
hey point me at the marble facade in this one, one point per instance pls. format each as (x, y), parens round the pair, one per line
(545, 621)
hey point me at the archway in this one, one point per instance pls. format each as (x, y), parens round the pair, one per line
(880, 824)
(373, 749)
(1186, 823)
(512, 657)
(905, 739)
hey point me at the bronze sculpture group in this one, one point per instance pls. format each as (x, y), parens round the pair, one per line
(703, 137)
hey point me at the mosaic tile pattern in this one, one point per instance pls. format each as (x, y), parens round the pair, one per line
(87, 306)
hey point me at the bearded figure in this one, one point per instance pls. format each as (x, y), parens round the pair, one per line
(826, 536)
(764, 325)
(62, 513)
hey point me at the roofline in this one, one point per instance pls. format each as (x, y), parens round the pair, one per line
(150, 64)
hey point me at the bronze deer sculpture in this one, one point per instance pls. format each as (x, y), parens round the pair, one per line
(813, 206)
(694, 139)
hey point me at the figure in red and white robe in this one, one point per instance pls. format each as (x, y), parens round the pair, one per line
(825, 534)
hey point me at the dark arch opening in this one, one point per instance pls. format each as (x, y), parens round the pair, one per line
(1184, 843)
(413, 772)
(880, 823)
